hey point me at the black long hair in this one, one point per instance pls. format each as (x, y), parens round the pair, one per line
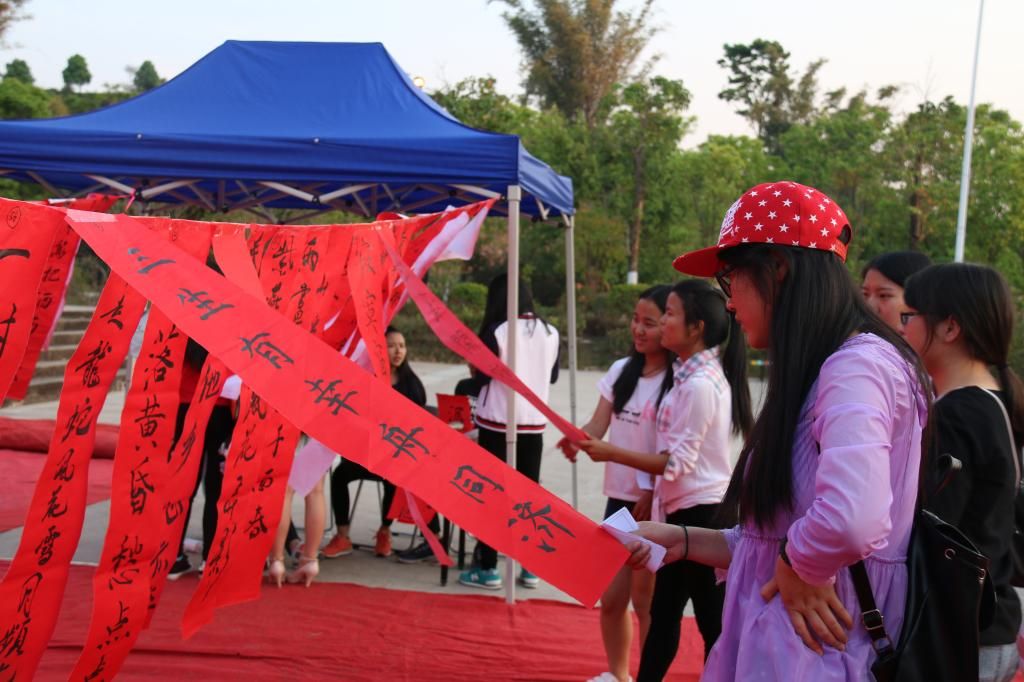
(704, 303)
(626, 383)
(815, 307)
(897, 266)
(496, 308)
(408, 383)
(979, 299)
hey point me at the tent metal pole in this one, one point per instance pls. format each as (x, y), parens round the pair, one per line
(570, 303)
(965, 170)
(515, 196)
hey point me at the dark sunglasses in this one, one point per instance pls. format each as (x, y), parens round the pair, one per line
(724, 279)
(905, 318)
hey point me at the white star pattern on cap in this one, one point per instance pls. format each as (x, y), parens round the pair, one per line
(784, 214)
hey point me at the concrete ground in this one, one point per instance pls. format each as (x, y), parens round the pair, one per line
(362, 567)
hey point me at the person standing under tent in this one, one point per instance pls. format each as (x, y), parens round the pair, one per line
(959, 319)
(631, 393)
(829, 474)
(708, 403)
(536, 365)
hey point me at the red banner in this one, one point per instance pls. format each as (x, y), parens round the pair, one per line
(329, 398)
(136, 550)
(33, 587)
(50, 298)
(26, 233)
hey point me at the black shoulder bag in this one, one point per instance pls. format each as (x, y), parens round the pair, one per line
(949, 599)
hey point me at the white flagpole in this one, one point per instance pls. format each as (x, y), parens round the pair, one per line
(965, 171)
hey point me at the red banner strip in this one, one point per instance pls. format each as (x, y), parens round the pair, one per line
(328, 397)
(458, 338)
(33, 587)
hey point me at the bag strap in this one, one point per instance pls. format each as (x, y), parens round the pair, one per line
(870, 616)
(1009, 430)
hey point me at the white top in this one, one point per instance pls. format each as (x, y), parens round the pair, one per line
(694, 423)
(633, 429)
(536, 353)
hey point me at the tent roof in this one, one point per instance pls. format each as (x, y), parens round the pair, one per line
(283, 124)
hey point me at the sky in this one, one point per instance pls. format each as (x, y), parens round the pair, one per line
(924, 46)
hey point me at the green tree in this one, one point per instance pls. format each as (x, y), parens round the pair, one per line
(477, 103)
(772, 96)
(18, 69)
(576, 51)
(10, 12)
(21, 100)
(643, 132)
(145, 77)
(76, 72)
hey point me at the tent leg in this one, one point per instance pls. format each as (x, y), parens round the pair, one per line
(514, 197)
(570, 303)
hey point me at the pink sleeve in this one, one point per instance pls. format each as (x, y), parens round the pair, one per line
(852, 425)
(693, 410)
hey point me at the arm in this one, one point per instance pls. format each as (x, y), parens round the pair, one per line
(595, 428)
(491, 341)
(853, 423)
(602, 451)
(952, 435)
(702, 545)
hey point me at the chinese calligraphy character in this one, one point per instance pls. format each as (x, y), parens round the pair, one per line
(544, 525)
(113, 316)
(91, 375)
(258, 346)
(44, 550)
(140, 487)
(330, 395)
(471, 483)
(404, 443)
(148, 421)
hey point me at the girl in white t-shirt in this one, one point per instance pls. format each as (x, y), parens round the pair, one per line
(709, 402)
(631, 392)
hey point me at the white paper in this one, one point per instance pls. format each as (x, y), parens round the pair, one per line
(622, 527)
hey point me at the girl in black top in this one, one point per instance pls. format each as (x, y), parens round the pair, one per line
(959, 318)
(405, 381)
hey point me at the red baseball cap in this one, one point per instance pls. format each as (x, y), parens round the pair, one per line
(783, 213)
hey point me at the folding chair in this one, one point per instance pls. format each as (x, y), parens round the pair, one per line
(456, 411)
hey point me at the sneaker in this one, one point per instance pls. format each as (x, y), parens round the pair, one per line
(421, 552)
(202, 567)
(529, 580)
(487, 579)
(383, 545)
(181, 567)
(606, 677)
(338, 546)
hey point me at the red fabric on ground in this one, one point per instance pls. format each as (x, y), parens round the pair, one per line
(337, 631)
(33, 435)
(19, 471)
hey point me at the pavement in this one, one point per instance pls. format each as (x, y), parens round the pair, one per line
(362, 566)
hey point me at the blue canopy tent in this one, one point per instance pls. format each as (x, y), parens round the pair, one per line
(315, 126)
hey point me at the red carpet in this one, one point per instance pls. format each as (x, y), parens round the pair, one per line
(19, 471)
(338, 631)
(33, 435)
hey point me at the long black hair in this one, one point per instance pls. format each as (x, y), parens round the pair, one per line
(408, 383)
(704, 303)
(496, 308)
(979, 299)
(897, 266)
(626, 383)
(815, 307)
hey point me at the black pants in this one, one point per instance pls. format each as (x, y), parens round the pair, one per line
(675, 584)
(528, 450)
(345, 473)
(211, 471)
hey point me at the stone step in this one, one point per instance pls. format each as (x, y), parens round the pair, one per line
(44, 389)
(54, 352)
(76, 325)
(66, 337)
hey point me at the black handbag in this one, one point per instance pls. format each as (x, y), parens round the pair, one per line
(950, 598)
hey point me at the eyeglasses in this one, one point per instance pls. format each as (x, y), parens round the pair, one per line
(724, 279)
(905, 318)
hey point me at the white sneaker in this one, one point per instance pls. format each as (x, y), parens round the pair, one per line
(606, 677)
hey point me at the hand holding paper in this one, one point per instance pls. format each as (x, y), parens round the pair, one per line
(623, 528)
